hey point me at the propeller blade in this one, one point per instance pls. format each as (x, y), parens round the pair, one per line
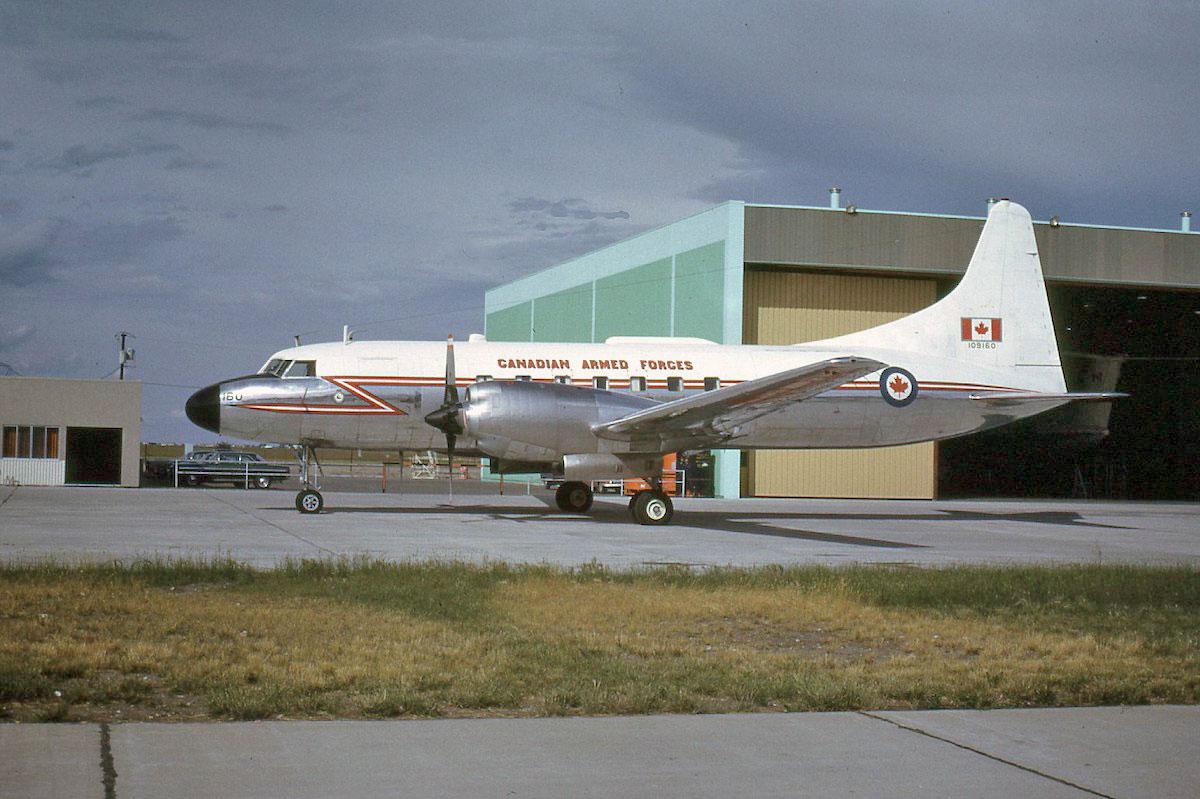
(451, 395)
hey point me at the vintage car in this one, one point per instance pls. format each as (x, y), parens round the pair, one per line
(228, 466)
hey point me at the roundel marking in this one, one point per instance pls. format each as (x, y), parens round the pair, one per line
(898, 387)
(338, 396)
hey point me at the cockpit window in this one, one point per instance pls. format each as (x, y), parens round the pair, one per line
(272, 367)
(301, 369)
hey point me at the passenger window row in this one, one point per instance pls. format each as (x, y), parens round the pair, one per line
(674, 384)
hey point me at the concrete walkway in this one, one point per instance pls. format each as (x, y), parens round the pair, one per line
(1074, 752)
(263, 527)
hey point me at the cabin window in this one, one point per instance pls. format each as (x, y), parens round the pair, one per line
(482, 378)
(675, 384)
(712, 383)
(600, 383)
(637, 384)
(524, 377)
(301, 369)
(563, 379)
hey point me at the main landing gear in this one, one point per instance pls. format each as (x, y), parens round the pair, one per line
(651, 506)
(574, 497)
(309, 499)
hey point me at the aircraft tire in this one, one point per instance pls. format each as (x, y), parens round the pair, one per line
(652, 508)
(574, 497)
(309, 501)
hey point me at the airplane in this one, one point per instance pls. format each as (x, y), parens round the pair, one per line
(982, 356)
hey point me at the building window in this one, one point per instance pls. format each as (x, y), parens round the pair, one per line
(23, 441)
(637, 384)
(712, 383)
(600, 383)
(524, 377)
(562, 379)
(675, 384)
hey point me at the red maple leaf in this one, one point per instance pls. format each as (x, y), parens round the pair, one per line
(981, 329)
(898, 385)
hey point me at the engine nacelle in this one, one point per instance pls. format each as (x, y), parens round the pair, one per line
(528, 421)
(607, 466)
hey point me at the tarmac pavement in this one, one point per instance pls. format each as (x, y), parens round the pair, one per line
(1075, 752)
(263, 527)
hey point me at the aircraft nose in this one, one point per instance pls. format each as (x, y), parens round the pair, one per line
(204, 409)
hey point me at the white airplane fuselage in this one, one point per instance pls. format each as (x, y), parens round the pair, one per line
(375, 394)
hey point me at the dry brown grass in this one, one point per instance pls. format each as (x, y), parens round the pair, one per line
(179, 641)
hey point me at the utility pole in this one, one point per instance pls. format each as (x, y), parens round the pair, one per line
(125, 355)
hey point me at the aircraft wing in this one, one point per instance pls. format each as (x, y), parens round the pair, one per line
(714, 416)
(1018, 397)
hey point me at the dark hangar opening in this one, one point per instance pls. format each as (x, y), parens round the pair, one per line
(1149, 341)
(93, 455)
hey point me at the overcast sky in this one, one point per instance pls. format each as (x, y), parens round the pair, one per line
(215, 177)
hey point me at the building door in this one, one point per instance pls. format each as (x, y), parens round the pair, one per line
(94, 455)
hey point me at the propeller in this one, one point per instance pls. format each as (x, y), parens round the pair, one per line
(446, 417)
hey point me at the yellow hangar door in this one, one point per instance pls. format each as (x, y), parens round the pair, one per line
(790, 307)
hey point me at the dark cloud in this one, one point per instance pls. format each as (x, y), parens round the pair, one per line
(103, 101)
(186, 162)
(28, 262)
(6, 144)
(570, 208)
(125, 35)
(276, 208)
(81, 157)
(210, 121)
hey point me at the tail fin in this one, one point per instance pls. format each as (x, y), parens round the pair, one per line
(997, 316)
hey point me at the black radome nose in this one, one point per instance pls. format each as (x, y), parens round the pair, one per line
(204, 408)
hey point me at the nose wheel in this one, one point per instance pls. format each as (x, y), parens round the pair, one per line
(309, 500)
(651, 507)
(574, 497)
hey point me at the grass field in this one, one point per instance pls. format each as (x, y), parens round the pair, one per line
(361, 639)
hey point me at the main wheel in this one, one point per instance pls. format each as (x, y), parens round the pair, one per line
(309, 501)
(574, 497)
(652, 507)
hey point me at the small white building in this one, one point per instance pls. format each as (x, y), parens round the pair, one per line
(56, 431)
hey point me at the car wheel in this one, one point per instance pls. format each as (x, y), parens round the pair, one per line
(262, 482)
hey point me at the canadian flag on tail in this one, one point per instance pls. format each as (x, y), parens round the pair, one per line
(981, 329)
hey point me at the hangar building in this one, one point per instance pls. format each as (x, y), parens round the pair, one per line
(61, 432)
(744, 273)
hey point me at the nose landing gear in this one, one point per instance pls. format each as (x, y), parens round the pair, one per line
(309, 499)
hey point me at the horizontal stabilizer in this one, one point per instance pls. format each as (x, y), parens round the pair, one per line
(1018, 397)
(715, 415)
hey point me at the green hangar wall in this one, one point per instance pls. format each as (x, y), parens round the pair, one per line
(683, 279)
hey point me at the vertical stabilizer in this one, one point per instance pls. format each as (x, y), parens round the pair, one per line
(997, 317)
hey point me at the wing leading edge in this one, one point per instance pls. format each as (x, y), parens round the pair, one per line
(714, 416)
